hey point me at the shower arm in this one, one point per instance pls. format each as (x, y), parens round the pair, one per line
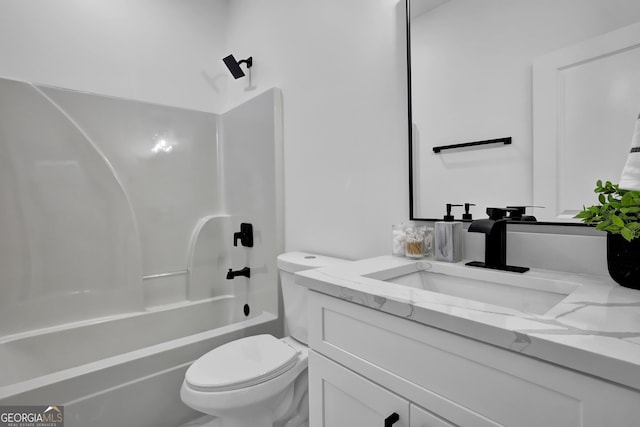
(248, 61)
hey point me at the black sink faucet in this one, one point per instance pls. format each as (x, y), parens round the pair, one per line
(495, 244)
(246, 272)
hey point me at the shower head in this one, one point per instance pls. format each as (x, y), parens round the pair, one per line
(234, 66)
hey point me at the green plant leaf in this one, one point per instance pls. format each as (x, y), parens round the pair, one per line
(617, 221)
(617, 213)
(589, 212)
(627, 234)
(630, 210)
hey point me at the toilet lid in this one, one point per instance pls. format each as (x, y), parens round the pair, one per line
(241, 363)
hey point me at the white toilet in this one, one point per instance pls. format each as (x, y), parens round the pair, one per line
(260, 381)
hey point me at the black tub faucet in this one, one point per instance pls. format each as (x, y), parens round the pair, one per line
(246, 272)
(495, 244)
(245, 235)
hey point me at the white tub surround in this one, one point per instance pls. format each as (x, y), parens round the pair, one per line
(114, 206)
(595, 329)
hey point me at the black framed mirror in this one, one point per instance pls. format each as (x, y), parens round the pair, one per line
(476, 85)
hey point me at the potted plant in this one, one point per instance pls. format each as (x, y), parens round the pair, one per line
(619, 215)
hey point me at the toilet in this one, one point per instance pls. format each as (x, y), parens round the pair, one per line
(260, 381)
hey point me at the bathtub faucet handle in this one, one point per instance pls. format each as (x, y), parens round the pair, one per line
(245, 235)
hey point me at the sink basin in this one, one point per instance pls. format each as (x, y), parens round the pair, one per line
(524, 292)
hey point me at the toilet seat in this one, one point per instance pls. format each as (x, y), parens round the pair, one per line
(248, 361)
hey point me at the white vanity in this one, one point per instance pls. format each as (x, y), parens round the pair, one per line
(398, 342)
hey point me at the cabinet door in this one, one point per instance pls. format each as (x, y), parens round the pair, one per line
(422, 418)
(339, 397)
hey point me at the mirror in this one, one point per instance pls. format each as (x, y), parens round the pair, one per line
(540, 83)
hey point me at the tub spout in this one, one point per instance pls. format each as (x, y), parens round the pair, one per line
(246, 272)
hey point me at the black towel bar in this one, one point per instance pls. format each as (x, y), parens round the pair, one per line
(504, 141)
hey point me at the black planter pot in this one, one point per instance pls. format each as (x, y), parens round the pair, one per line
(623, 260)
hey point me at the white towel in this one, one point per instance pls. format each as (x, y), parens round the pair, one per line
(630, 179)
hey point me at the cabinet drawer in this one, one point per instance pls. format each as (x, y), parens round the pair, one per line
(422, 418)
(459, 378)
(340, 398)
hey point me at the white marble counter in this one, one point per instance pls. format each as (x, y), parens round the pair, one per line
(595, 329)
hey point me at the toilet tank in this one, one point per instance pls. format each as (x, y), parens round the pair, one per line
(295, 296)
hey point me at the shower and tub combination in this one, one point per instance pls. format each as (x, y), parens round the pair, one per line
(118, 226)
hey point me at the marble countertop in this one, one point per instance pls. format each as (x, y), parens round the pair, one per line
(595, 329)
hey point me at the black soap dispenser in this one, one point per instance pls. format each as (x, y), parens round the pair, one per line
(448, 238)
(467, 215)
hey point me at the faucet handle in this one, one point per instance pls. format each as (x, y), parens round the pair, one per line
(520, 213)
(501, 213)
(245, 235)
(496, 213)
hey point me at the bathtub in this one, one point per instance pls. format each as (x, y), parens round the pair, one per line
(122, 370)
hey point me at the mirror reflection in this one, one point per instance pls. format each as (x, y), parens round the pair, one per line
(473, 80)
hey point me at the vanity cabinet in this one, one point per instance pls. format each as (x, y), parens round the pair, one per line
(365, 365)
(346, 399)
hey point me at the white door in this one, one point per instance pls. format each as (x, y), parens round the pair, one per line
(585, 105)
(338, 397)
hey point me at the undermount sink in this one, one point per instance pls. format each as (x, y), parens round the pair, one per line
(525, 292)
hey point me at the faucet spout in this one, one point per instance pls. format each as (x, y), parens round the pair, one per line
(495, 243)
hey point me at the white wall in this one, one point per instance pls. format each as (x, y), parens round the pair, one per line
(342, 69)
(162, 51)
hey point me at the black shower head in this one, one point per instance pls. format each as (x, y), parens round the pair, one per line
(234, 66)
